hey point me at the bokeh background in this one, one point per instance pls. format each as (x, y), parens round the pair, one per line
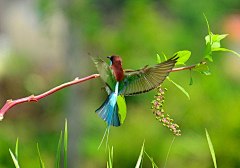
(44, 43)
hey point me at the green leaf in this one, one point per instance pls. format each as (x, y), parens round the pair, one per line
(122, 108)
(183, 56)
(140, 158)
(158, 59)
(40, 159)
(216, 45)
(65, 144)
(206, 73)
(220, 37)
(112, 155)
(165, 57)
(191, 80)
(202, 68)
(224, 49)
(16, 150)
(180, 87)
(168, 152)
(208, 52)
(154, 164)
(209, 31)
(110, 158)
(211, 148)
(216, 40)
(207, 39)
(58, 152)
(14, 159)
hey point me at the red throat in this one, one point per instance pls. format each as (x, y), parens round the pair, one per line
(117, 67)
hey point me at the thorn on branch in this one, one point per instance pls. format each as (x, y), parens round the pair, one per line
(32, 98)
(9, 101)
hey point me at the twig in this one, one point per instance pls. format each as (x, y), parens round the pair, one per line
(186, 67)
(10, 103)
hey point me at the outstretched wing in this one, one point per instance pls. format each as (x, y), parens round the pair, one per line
(106, 73)
(146, 78)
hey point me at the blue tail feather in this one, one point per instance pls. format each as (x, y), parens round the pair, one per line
(108, 111)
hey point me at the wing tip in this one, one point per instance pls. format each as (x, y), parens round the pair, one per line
(174, 58)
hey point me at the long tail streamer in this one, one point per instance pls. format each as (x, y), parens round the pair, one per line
(109, 112)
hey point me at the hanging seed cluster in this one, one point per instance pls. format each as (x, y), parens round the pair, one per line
(157, 109)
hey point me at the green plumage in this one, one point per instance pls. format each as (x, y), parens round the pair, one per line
(135, 82)
(106, 72)
(127, 83)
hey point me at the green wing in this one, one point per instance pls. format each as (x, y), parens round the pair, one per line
(146, 78)
(105, 71)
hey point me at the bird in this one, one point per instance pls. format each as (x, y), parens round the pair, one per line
(119, 82)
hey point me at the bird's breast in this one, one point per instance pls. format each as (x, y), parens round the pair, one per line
(118, 73)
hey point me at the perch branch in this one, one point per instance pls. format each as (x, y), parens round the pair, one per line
(186, 67)
(10, 103)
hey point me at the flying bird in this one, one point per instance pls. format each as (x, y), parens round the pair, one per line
(127, 83)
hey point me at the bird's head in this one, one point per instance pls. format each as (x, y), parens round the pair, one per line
(115, 60)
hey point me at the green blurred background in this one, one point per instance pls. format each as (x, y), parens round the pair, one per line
(44, 43)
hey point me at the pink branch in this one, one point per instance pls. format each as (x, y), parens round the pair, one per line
(10, 103)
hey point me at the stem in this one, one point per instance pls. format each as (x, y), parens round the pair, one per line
(186, 67)
(10, 103)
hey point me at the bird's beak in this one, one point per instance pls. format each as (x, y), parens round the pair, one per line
(109, 57)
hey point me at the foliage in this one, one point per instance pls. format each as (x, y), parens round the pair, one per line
(211, 148)
(40, 159)
(15, 158)
(57, 163)
(110, 153)
(139, 163)
(212, 44)
(110, 157)
(177, 26)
